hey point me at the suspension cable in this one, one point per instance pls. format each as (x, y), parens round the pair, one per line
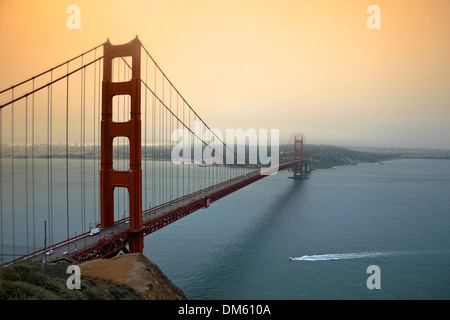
(48, 84)
(49, 70)
(176, 116)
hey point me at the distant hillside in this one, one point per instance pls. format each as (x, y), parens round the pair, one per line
(326, 156)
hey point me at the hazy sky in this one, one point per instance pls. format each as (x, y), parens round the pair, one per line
(298, 66)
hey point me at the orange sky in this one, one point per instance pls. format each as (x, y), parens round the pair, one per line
(300, 65)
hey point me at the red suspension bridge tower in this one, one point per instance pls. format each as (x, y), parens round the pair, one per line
(303, 164)
(298, 155)
(110, 178)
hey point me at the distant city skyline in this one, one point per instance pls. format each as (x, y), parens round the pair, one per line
(313, 67)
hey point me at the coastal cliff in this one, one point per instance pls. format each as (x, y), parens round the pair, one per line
(125, 277)
(137, 272)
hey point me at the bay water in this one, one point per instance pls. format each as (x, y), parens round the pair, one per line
(278, 238)
(394, 215)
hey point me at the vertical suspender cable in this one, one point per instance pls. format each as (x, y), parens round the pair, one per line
(98, 130)
(67, 151)
(184, 156)
(81, 148)
(26, 171)
(127, 143)
(116, 142)
(163, 167)
(190, 157)
(145, 138)
(161, 148)
(178, 166)
(169, 177)
(163, 171)
(157, 171)
(12, 172)
(1, 186)
(196, 178)
(123, 139)
(161, 138)
(83, 127)
(32, 171)
(50, 221)
(115, 114)
(163, 130)
(48, 154)
(169, 144)
(84, 150)
(166, 144)
(154, 142)
(127, 117)
(94, 109)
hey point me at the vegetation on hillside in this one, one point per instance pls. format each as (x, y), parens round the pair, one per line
(26, 280)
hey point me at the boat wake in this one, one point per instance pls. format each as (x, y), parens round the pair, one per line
(342, 256)
(366, 254)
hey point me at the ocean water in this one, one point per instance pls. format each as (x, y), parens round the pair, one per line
(334, 225)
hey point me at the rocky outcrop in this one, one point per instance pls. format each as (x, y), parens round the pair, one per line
(135, 271)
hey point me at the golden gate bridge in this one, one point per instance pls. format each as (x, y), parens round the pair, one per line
(85, 158)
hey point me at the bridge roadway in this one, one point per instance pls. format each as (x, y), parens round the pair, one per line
(109, 241)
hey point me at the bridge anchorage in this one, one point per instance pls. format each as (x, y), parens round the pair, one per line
(156, 191)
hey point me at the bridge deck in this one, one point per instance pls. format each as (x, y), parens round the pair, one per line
(109, 241)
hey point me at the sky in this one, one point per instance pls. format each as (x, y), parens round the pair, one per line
(306, 66)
